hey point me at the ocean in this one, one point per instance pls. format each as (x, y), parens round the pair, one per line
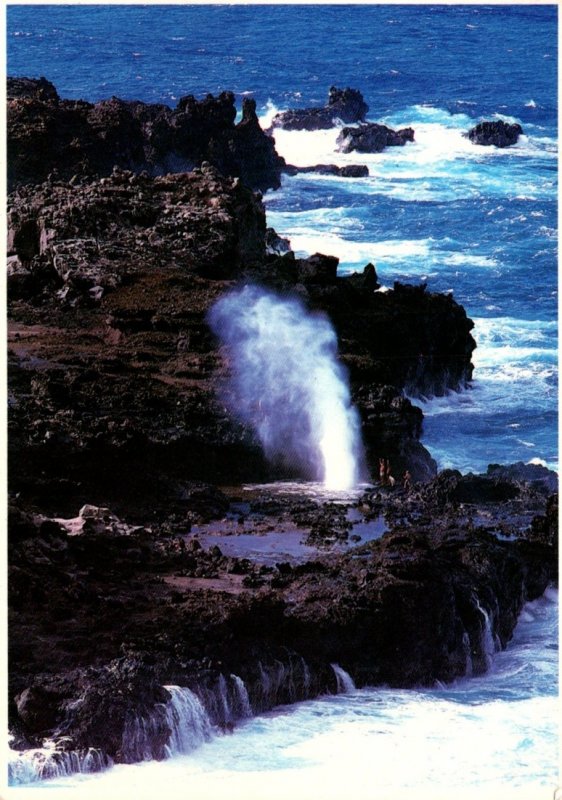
(478, 222)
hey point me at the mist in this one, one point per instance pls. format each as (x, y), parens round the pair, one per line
(288, 386)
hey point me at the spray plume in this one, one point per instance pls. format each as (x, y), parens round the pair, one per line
(287, 384)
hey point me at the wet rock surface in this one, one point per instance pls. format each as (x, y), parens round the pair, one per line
(372, 138)
(346, 171)
(126, 613)
(497, 133)
(346, 105)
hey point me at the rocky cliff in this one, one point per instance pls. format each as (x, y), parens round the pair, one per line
(47, 134)
(117, 436)
(112, 365)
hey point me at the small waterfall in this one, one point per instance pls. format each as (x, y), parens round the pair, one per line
(344, 680)
(468, 654)
(306, 676)
(244, 707)
(177, 726)
(223, 697)
(277, 682)
(488, 643)
(144, 736)
(188, 720)
(225, 700)
(274, 685)
(48, 762)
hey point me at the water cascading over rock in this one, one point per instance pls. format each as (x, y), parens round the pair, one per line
(287, 384)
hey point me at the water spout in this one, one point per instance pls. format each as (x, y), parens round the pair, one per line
(287, 384)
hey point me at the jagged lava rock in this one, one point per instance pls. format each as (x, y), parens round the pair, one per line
(47, 134)
(346, 105)
(537, 476)
(497, 133)
(372, 138)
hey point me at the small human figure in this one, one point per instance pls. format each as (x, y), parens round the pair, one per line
(407, 479)
(390, 480)
(382, 471)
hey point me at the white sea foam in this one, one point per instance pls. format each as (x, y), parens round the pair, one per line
(331, 230)
(505, 340)
(306, 242)
(441, 164)
(493, 736)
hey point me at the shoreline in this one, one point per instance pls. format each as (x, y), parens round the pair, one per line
(119, 443)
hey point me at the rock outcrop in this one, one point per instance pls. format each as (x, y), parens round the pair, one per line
(47, 134)
(345, 171)
(112, 365)
(497, 133)
(372, 138)
(345, 105)
(130, 614)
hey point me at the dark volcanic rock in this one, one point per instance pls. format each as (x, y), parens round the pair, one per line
(452, 487)
(108, 311)
(40, 89)
(47, 134)
(498, 133)
(317, 269)
(535, 475)
(275, 244)
(366, 281)
(347, 171)
(372, 138)
(406, 610)
(346, 105)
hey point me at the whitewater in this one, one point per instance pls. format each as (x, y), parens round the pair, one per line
(439, 187)
(494, 735)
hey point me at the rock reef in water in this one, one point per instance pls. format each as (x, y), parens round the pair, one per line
(372, 138)
(345, 105)
(346, 171)
(497, 133)
(47, 134)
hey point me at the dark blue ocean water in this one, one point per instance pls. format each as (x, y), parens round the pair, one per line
(479, 222)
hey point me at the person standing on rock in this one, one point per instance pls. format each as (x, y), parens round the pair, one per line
(407, 481)
(382, 471)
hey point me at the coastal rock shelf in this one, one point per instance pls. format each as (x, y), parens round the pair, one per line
(126, 224)
(130, 612)
(111, 360)
(46, 133)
